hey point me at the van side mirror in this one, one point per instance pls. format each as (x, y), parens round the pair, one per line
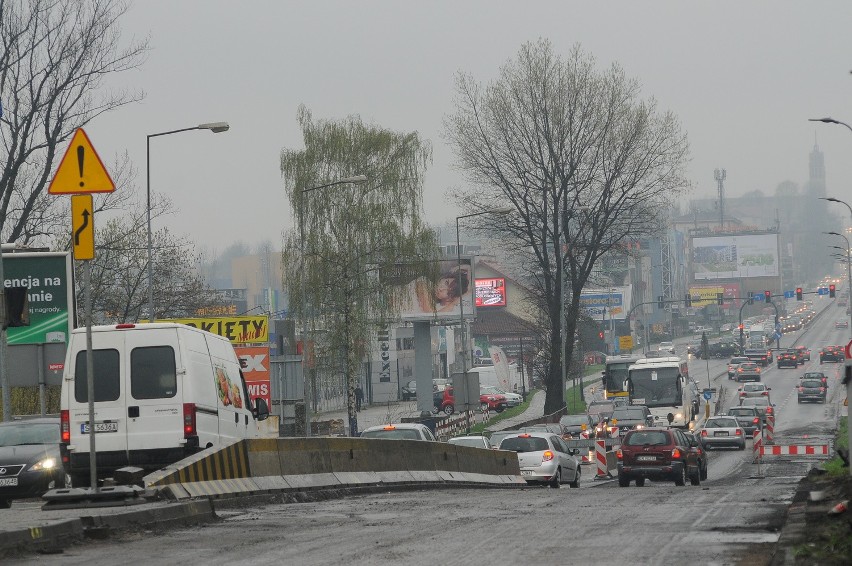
(261, 409)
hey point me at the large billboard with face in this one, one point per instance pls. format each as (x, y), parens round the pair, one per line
(433, 292)
(47, 276)
(605, 304)
(732, 257)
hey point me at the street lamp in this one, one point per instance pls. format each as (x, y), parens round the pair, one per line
(848, 266)
(215, 127)
(506, 210)
(306, 383)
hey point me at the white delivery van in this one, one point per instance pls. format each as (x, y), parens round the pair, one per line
(162, 392)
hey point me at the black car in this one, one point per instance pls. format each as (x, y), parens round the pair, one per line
(832, 354)
(812, 390)
(629, 417)
(747, 417)
(787, 358)
(30, 463)
(759, 356)
(721, 350)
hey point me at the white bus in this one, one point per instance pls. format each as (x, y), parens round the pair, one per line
(661, 384)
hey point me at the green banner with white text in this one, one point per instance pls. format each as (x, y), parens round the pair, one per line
(48, 278)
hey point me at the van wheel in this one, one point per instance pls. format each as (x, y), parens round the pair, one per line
(448, 410)
(640, 482)
(624, 481)
(5, 503)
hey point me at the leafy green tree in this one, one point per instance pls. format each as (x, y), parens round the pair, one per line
(351, 232)
(585, 162)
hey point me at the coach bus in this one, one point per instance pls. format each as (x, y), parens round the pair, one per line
(615, 375)
(662, 385)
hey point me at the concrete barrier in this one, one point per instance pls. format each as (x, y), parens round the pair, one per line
(259, 466)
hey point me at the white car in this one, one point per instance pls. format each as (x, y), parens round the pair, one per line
(512, 399)
(544, 458)
(666, 347)
(400, 431)
(475, 441)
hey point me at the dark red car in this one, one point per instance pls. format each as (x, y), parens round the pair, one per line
(658, 454)
(495, 403)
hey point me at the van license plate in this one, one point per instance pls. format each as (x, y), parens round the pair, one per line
(100, 427)
(646, 458)
(8, 481)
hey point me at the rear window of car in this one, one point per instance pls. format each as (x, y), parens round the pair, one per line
(811, 383)
(738, 360)
(152, 373)
(397, 433)
(475, 442)
(810, 375)
(756, 401)
(106, 373)
(721, 423)
(524, 444)
(628, 414)
(574, 420)
(647, 437)
(743, 412)
(753, 387)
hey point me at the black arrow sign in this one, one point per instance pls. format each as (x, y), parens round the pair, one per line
(81, 228)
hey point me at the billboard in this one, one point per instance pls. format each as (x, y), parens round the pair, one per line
(428, 299)
(731, 257)
(48, 278)
(606, 304)
(703, 295)
(254, 362)
(490, 292)
(237, 329)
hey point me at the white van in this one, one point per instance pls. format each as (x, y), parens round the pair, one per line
(163, 391)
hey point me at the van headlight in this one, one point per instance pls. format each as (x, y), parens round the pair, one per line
(679, 416)
(43, 465)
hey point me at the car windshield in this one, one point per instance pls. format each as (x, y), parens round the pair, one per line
(647, 438)
(23, 433)
(811, 383)
(396, 433)
(628, 413)
(721, 423)
(475, 442)
(524, 444)
(741, 412)
(574, 420)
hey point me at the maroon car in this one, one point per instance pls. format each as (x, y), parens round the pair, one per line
(658, 454)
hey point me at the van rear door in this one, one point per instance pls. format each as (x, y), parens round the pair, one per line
(110, 421)
(154, 396)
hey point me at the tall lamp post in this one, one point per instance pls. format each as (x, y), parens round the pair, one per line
(215, 127)
(848, 266)
(306, 382)
(459, 279)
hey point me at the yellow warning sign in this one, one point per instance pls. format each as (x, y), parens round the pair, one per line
(625, 342)
(83, 227)
(81, 170)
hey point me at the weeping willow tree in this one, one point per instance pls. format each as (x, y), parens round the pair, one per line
(346, 233)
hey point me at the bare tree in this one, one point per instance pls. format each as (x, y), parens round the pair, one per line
(586, 164)
(54, 57)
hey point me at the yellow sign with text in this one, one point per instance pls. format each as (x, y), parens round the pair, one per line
(703, 296)
(237, 329)
(625, 342)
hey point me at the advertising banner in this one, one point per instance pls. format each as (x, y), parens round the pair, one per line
(237, 329)
(254, 361)
(491, 292)
(731, 257)
(428, 299)
(606, 304)
(703, 295)
(48, 278)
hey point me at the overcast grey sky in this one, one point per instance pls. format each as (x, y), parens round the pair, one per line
(742, 76)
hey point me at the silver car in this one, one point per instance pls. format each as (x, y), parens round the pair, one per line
(544, 458)
(763, 406)
(474, 441)
(400, 431)
(754, 390)
(722, 431)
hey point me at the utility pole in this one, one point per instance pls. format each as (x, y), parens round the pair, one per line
(719, 175)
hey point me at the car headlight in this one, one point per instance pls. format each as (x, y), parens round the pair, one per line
(679, 416)
(43, 465)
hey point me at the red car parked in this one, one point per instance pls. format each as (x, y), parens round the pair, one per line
(495, 403)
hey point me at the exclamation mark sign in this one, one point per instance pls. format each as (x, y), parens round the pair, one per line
(81, 153)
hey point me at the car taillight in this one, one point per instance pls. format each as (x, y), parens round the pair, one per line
(703, 433)
(739, 432)
(765, 393)
(740, 370)
(188, 420)
(822, 389)
(756, 420)
(757, 370)
(768, 409)
(64, 426)
(801, 389)
(619, 454)
(547, 456)
(676, 454)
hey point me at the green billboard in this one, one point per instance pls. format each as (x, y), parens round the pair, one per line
(49, 280)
